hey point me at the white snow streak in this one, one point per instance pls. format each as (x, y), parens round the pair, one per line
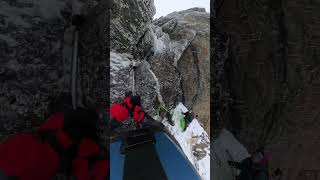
(157, 86)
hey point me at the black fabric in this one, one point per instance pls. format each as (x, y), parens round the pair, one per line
(135, 100)
(152, 124)
(141, 158)
(249, 170)
(5, 177)
(235, 164)
(188, 117)
(77, 20)
(246, 167)
(142, 163)
(81, 123)
(78, 124)
(137, 138)
(113, 123)
(65, 156)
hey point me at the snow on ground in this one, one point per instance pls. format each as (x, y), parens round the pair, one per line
(194, 142)
(226, 148)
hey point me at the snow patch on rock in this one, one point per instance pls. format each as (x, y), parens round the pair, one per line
(161, 40)
(157, 85)
(120, 81)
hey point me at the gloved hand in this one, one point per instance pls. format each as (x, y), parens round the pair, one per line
(138, 114)
(90, 164)
(129, 107)
(25, 157)
(65, 132)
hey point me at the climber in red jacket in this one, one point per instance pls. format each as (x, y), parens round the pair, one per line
(130, 106)
(67, 143)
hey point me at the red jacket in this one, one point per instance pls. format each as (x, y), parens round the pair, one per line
(28, 157)
(120, 112)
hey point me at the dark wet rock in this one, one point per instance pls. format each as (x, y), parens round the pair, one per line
(35, 59)
(31, 62)
(94, 52)
(146, 86)
(129, 20)
(169, 80)
(272, 76)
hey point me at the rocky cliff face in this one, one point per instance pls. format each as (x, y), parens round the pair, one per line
(190, 32)
(173, 52)
(268, 57)
(35, 58)
(31, 60)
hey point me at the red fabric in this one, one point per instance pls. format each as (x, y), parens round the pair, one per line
(100, 170)
(127, 101)
(24, 157)
(81, 169)
(88, 148)
(118, 112)
(107, 167)
(54, 122)
(64, 139)
(138, 114)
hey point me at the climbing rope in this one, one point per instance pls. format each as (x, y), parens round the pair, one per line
(134, 64)
(161, 107)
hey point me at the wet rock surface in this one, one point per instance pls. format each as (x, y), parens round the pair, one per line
(129, 20)
(31, 61)
(36, 42)
(272, 76)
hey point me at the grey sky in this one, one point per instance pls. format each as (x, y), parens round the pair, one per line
(165, 7)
